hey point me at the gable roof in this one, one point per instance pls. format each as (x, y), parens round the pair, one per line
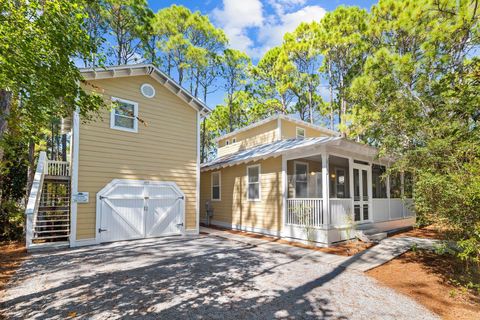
(276, 117)
(146, 69)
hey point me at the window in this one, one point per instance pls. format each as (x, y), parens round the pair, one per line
(227, 142)
(301, 180)
(147, 90)
(253, 176)
(300, 133)
(379, 183)
(124, 115)
(216, 186)
(234, 140)
(340, 182)
(395, 186)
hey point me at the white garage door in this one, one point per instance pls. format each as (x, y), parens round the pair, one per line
(132, 209)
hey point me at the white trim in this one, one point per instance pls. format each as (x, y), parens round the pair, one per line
(219, 186)
(259, 183)
(283, 117)
(279, 128)
(146, 85)
(304, 133)
(83, 242)
(135, 116)
(197, 200)
(284, 191)
(74, 177)
(192, 232)
(295, 162)
(150, 70)
(240, 227)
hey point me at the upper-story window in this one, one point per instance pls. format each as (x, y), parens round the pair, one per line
(227, 142)
(124, 115)
(234, 140)
(300, 133)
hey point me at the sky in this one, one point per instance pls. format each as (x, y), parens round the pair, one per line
(254, 26)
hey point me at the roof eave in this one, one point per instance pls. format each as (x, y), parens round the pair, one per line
(146, 69)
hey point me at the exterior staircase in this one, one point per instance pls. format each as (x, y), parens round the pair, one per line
(52, 221)
(48, 208)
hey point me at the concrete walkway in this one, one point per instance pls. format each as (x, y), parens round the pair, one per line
(383, 252)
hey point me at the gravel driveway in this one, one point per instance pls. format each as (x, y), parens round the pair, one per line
(202, 277)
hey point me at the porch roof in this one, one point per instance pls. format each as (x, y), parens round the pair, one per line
(281, 147)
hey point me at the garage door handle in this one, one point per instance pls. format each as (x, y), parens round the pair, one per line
(180, 224)
(100, 230)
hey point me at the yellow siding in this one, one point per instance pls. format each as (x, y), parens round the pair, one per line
(165, 149)
(234, 208)
(289, 130)
(262, 134)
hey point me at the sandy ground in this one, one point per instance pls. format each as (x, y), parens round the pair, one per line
(201, 277)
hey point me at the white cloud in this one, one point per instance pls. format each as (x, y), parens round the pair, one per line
(238, 17)
(272, 35)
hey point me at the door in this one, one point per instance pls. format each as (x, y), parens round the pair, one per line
(361, 192)
(131, 209)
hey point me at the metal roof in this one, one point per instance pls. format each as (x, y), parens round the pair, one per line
(269, 150)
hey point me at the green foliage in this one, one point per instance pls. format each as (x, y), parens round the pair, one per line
(11, 221)
(417, 98)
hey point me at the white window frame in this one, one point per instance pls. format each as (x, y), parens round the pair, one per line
(147, 85)
(219, 185)
(135, 116)
(295, 163)
(259, 182)
(297, 136)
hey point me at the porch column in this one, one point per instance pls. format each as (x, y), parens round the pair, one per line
(284, 191)
(388, 193)
(351, 190)
(325, 189)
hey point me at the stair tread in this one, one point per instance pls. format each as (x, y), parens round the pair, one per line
(52, 231)
(51, 237)
(53, 226)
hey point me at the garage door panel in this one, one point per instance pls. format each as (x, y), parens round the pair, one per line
(161, 191)
(140, 209)
(120, 221)
(163, 217)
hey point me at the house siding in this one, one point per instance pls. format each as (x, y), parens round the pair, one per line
(289, 130)
(235, 209)
(164, 149)
(265, 133)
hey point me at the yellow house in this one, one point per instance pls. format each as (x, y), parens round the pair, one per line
(134, 170)
(289, 178)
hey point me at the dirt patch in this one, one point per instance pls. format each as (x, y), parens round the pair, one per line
(343, 249)
(429, 278)
(11, 256)
(429, 232)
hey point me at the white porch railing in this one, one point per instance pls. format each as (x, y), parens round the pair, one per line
(305, 212)
(34, 198)
(58, 168)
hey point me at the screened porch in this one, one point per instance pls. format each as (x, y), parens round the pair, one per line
(331, 191)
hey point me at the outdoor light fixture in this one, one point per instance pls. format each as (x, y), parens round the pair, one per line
(332, 175)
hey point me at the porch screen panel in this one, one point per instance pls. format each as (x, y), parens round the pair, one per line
(408, 185)
(379, 182)
(301, 180)
(395, 186)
